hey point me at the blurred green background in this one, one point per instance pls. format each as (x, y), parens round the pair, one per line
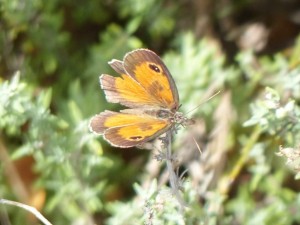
(52, 53)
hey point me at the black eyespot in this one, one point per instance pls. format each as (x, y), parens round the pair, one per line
(154, 67)
(135, 138)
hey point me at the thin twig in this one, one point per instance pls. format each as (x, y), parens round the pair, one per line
(28, 208)
(173, 178)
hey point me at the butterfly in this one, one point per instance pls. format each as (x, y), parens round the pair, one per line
(149, 91)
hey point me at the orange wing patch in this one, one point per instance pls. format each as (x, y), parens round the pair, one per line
(128, 130)
(126, 91)
(133, 135)
(158, 87)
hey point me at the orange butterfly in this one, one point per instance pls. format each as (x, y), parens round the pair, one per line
(148, 89)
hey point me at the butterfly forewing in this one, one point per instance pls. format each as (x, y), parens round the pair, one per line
(126, 90)
(150, 72)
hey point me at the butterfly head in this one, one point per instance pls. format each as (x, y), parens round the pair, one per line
(174, 117)
(180, 118)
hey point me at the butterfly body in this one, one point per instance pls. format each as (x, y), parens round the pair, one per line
(147, 88)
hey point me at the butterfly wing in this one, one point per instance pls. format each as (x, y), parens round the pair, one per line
(127, 130)
(145, 81)
(151, 73)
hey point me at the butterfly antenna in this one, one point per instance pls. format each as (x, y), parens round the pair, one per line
(206, 100)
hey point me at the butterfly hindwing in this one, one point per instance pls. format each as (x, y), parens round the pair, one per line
(127, 130)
